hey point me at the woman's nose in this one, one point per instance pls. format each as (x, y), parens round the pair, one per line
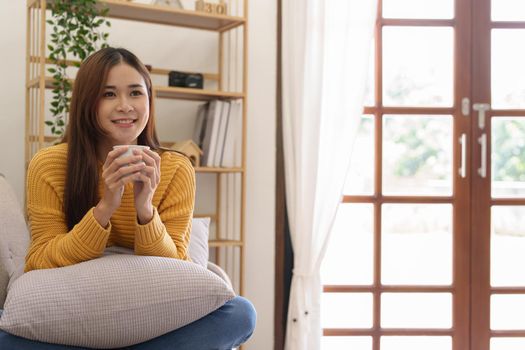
(124, 105)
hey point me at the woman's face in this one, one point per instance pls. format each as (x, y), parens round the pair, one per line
(123, 109)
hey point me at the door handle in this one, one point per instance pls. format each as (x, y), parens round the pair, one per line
(481, 108)
(482, 170)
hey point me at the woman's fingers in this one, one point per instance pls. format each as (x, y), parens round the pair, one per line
(121, 182)
(152, 161)
(150, 173)
(122, 175)
(143, 178)
(155, 156)
(114, 154)
(122, 162)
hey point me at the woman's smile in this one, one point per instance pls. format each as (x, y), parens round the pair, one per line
(124, 123)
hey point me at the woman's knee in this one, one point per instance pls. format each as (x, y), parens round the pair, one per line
(243, 317)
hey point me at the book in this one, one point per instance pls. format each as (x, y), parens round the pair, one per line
(221, 134)
(200, 125)
(210, 135)
(228, 159)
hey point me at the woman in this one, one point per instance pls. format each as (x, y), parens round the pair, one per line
(70, 215)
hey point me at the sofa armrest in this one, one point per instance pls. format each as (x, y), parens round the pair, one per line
(14, 237)
(220, 272)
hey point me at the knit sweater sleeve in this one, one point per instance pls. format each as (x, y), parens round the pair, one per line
(51, 243)
(168, 233)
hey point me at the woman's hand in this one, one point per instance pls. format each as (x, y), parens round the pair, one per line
(146, 184)
(116, 173)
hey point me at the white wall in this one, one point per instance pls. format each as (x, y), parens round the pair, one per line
(12, 93)
(260, 215)
(159, 46)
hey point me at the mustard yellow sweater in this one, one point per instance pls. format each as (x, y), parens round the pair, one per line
(167, 234)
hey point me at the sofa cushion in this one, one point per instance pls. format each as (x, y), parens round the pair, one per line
(14, 237)
(113, 301)
(198, 248)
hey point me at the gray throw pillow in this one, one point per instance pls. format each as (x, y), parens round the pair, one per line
(198, 248)
(114, 301)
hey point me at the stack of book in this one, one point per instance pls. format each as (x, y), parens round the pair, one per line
(218, 133)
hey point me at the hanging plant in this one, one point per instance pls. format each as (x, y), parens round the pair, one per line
(76, 33)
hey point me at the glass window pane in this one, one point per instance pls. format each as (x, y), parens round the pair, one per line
(416, 310)
(418, 66)
(507, 245)
(507, 343)
(508, 70)
(370, 85)
(416, 343)
(506, 312)
(416, 244)
(360, 178)
(434, 9)
(346, 310)
(508, 157)
(349, 255)
(345, 343)
(508, 10)
(417, 155)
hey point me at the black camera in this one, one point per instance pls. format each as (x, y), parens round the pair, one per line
(188, 80)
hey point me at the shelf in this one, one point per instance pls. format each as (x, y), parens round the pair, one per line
(218, 170)
(194, 94)
(212, 217)
(169, 92)
(48, 82)
(154, 70)
(47, 139)
(168, 15)
(224, 243)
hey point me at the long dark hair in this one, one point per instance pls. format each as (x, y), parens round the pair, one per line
(84, 132)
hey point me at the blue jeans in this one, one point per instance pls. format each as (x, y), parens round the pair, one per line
(225, 328)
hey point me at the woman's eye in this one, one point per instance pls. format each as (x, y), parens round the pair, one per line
(136, 93)
(108, 94)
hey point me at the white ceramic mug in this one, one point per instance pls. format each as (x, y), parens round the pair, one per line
(129, 152)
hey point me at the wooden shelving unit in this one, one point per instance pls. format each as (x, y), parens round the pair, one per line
(37, 82)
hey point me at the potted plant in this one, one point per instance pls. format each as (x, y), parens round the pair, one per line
(76, 32)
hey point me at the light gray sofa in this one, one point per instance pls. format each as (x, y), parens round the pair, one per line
(14, 237)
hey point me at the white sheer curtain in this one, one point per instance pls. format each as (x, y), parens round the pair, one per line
(325, 50)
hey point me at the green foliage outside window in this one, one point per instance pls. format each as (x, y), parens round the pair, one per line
(508, 161)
